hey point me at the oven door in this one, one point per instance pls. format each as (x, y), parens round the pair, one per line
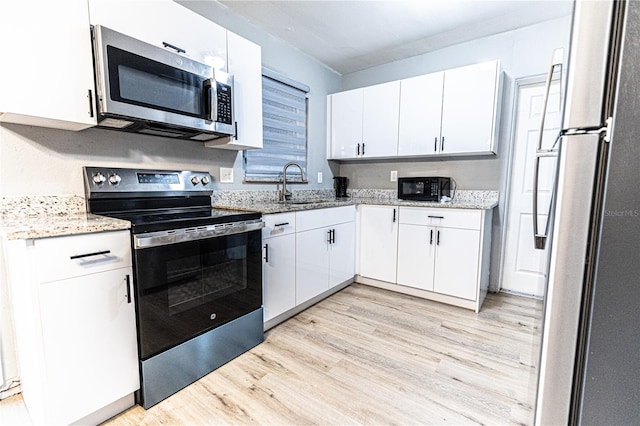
(188, 288)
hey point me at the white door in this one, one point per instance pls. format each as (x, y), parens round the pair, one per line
(346, 123)
(89, 342)
(342, 253)
(378, 242)
(524, 266)
(279, 275)
(420, 114)
(468, 108)
(416, 252)
(380, 117)
(312, 263)
(456, 270)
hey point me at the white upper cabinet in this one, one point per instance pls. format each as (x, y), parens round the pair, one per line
(46, 77)
(364, 122)
(470, 109)
(345, 115)
(420, 114)
(380, 120)
(245, 64)
(453, 112)
(166, 24)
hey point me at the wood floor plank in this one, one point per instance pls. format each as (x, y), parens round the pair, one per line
(370, 356)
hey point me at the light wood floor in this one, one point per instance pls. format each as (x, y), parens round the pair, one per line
(370, 356)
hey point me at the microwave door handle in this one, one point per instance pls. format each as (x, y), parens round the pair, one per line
(211, 97)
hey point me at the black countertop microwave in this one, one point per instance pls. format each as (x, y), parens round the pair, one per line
(424, 188)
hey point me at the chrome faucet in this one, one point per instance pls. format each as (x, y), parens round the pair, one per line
(285, 195)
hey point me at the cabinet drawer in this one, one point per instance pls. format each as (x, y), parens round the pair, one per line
(320, 218)
(278, 224)
(65, 257)
(451, 218)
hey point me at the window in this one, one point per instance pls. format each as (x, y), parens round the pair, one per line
(284, 126)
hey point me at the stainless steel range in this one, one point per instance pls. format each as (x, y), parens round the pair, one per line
(197, 273)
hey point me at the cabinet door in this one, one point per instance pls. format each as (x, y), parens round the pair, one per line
(378, 242)
(416, 255)
(46, 78)
(469, 109)
(279, 275)
(89, 342)
(342, 253)
(346, 123)
(312, 263)
(245, 64)
(164, 21)
(420, 114)
(457, 261)
(381, 109)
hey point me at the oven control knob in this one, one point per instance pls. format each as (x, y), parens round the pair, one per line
(114, 179)
(205, 180)
(98, 178)
(195, 180)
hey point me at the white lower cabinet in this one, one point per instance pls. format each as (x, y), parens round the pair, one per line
(279, 264)
(73, 303)
(416, 256)
(440, 253)
(305, 254)
(456, 262)
(325, 250)
(378, 242)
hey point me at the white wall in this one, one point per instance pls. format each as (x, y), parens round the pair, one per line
(40, 161)
(523, 53)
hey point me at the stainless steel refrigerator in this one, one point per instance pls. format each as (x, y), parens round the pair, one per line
(590, 356)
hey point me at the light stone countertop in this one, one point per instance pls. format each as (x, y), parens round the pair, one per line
(264, 201)
(50, 216)
(22, 228)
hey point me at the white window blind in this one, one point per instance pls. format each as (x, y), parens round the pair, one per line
(284, 126)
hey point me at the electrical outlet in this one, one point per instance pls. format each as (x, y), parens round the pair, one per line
(394, 175)
(226, 175)
(319, 177)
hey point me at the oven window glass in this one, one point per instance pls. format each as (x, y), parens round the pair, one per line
(141, 81)
(186, 289)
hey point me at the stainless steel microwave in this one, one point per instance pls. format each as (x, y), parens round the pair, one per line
(424, 188)
(143, 88)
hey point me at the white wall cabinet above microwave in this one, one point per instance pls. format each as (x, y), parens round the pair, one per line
(166, 24)
(244, 60)
(453, 112)
(46, 77)
(363, 123)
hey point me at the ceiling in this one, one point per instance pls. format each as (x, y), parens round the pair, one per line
(352, 35)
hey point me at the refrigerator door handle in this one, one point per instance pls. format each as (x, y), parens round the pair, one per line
(541, 239)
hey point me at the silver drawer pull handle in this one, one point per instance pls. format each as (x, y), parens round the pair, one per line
(97, 253)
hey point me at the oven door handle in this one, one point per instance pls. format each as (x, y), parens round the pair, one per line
(163, 238)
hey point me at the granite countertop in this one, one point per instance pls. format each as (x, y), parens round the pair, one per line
(47, 216)
(263, 201)
(50, 216)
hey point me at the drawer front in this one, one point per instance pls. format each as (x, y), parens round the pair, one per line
(72, 256)
(319, 218)
(278, 224)
(450, 218)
